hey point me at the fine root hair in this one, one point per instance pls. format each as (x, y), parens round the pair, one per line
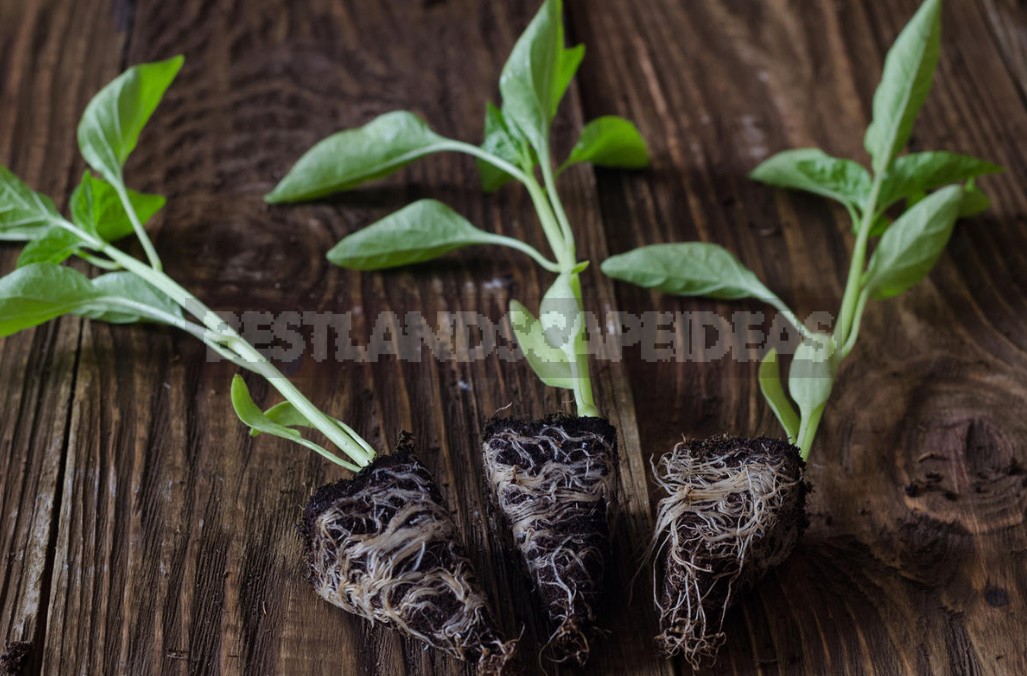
(734, 509)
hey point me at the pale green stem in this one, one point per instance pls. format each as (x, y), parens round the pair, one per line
(807, 432)
(157, 315)
(789, 315)
(101, 263)
(144, 239)
(850, 343)
(531, 251)
(853, 303)
(548, 205)
(224, 337)
(561, 241)
(584, 401)
(475, 151)
(561, 215)
(550, 225)
(856, 268)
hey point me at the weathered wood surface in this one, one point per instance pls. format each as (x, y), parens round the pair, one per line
(142, 530)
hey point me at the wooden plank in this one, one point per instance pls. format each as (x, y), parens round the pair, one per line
(915, 557)
(175, 550)
(45, 81)
(1006, 21)
(176, 529)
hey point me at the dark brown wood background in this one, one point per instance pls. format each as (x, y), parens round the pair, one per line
(141, 529)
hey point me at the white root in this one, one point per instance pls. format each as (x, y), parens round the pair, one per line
(389, 552)
(720, 528)
(555, 481)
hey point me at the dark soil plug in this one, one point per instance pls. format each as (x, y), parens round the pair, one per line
(735, 508)
(554, 480)
(383, 546)
(15, 658)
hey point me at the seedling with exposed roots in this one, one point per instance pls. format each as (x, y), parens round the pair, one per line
(364, 556)
(734, 506)
(552, 478)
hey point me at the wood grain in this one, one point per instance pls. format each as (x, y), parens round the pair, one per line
(45, 80)
(143, 531)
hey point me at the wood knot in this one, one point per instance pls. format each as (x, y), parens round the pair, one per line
(964, 468)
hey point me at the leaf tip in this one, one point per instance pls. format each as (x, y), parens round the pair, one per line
(176, 62)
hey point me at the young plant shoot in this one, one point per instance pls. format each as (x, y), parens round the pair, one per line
(735, 506)
(364, 554)
(552, 478)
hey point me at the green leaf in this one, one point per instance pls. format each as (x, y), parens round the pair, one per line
(115, 288)
(879, 226)
(974, 201)
(549, 363)
(774, 393)
(37, 293)
(113, 120)
(55, 246)
(24, 213)
(419, 232)
(259, 423)
(534, 75)
(688, 269)
(811, 376)
(284, 413)
(905, 84)
(560, 315)
(348, 158)
(913, 244)
(96, 207)
(813, 170)
(567, 68)
(610, 141)
(502, 142)
(919, 173)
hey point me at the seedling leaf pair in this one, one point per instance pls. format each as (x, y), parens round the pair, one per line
(910, 178)
(278, 421)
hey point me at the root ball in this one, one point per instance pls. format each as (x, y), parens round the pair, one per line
(735, 508)
(384, 547)
(554, 480)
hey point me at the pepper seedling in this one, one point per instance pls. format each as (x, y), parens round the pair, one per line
(534, 467)
(376, 569)
(936, 188)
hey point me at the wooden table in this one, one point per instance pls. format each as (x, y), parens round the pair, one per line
(143, 531)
